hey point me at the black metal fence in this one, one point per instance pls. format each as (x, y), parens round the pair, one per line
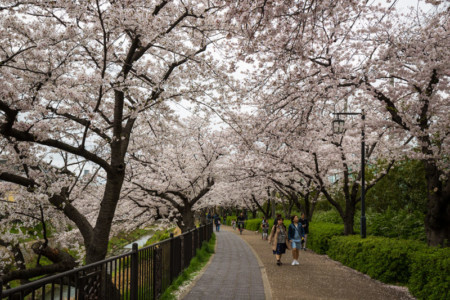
(140, 274)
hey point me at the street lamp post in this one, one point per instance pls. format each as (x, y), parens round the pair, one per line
(338, 127)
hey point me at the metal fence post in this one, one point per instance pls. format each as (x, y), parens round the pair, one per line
(134, 278)
(157, 271)
(172, 257)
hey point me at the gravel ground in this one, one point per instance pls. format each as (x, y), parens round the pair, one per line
(317, 276)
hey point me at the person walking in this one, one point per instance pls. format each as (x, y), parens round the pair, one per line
(278, 239)
(305, 225)
(264, 228)
(217, 222)
(295, 234)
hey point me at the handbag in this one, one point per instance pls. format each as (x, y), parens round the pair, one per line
(288, 245)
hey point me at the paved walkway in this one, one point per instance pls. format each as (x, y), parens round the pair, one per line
(234, 272)
(317, 277)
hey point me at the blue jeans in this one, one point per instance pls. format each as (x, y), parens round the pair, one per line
(217, 227)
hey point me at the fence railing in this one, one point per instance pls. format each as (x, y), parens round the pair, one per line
(140, 274)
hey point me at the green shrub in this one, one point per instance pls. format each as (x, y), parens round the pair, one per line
(402, 224)
(229, 219)
(253, 224)
(430, 274)
(387, 260)
(425, 270)
(397, 224)
(329, 216)
(320, 235)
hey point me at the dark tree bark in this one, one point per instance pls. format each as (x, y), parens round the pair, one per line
(437, 219)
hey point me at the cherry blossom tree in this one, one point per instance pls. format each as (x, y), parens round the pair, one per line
(76, 77)
(409, 77)
(172, 172)
(354, 54)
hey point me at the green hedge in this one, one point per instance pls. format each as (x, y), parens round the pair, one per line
(388, 260)
(255, 224)
(430, 274)
(320, 235)
(425, 270)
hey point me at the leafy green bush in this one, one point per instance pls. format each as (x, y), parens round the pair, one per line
(229, 219)
(320, 235)
(430, 274)
(401, 223)
(382, 258)
(329, 216)
(397, 224)
(253, 224)
(425, 270)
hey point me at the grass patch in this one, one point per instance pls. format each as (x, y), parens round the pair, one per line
(123, 238)
(159, 236)
(196, 264)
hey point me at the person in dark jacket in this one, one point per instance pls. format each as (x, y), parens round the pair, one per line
(295, 235)
(305, 225)
(217, 222)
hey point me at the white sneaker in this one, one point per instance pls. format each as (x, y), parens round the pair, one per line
(293, 262)
(296, 262)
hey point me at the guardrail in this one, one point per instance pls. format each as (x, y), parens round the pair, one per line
(140, 274)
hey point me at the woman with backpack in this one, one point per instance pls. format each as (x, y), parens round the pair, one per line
(278, 239)
(296, 233)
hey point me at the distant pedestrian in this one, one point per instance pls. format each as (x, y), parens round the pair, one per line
(217, 222)
(241, 222)
(305, 225)
(295, 235)
(233, 223)
(264, 228)
(278, 239)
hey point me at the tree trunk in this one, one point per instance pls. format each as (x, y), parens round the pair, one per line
(437, 220)
(348, 224)
(203, 216)
(188, 220)
(349, 217)
(97, 247)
